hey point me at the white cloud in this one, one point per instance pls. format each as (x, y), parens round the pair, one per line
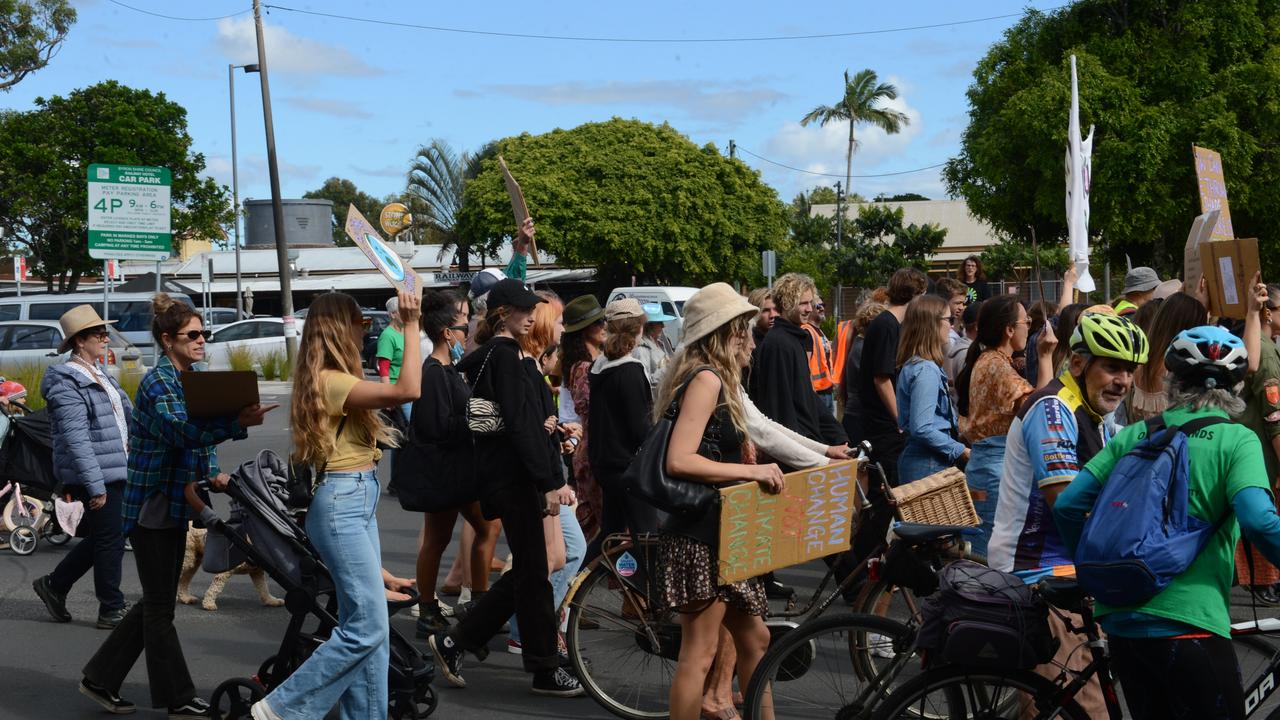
(698, 99)
(286, 52)
(335, 108)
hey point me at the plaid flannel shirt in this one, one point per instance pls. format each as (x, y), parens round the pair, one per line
(166, 448)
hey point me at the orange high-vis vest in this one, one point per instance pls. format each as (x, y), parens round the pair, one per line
(840, 352)
(819, 363)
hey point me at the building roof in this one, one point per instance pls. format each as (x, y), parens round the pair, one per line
(966, 235)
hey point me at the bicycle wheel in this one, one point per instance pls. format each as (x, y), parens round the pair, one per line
(816, 670)
(958, 693)
(1254, 653)
(613, 649)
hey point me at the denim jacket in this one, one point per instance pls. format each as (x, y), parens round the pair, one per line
(925, 413)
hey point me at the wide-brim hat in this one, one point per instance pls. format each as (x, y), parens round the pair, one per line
(582, 312)
(710, 309)
(653, 313)
(77, 320)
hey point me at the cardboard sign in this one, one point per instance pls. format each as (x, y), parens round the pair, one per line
(811, 518)
(518, 206)
(1229, 266)
(394, 218)
(1201, 230)
(1213, 190)
(400, 275)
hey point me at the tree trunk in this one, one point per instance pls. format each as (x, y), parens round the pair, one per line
(848, 163)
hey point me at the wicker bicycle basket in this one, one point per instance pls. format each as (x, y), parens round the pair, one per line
(939, 499)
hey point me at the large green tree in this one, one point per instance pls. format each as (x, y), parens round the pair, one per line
(31, 32)
(1155, 77)
(862, 102)
(45, 154)
(344, 194)
(629, 198)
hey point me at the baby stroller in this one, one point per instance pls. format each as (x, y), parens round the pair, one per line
(27, 481)
(264, 531)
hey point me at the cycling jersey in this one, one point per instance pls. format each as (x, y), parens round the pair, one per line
(1053, 435)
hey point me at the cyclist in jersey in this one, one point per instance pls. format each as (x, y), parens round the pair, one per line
(1057, 430)
(1173, 653)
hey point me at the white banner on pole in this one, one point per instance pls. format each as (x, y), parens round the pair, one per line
(1079, 172)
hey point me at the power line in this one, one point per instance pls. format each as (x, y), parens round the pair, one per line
(840, 175)
(669, 40)
(175, 17)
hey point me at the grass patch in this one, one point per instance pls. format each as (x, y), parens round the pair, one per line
(29, 374)
(129, 382)
(273, 364)
(240, 358)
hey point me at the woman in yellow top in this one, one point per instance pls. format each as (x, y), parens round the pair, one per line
(336, 427)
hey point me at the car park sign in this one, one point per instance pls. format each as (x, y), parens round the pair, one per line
(129, 212)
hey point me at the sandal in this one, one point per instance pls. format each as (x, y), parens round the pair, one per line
(728, 713)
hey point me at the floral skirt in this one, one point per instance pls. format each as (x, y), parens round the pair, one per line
(688, 575)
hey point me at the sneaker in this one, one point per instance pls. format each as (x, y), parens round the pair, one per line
(430, 620)
(111, 618)
(128, 545)
(193, 709)
(515, 647)
(448, 656)
(461, 609)
(261, 711)
(109, 701)
(55, 603)
(556, 683)
(775, 590)
(880, 646)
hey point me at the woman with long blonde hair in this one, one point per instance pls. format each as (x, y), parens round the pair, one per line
(336, 428)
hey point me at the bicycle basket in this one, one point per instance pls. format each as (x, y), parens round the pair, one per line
(985, 618)
(939, 499)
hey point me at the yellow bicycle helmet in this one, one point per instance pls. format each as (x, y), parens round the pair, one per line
(1103, 335)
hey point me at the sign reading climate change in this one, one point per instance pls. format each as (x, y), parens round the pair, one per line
(811, 518)
(129, 212)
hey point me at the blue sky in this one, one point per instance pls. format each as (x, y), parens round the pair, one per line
(356, 99)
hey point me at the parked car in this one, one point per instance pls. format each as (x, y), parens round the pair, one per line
(378, 321)
(131, 311)
(35, 342)
(672, 300)
(216, 317)
(259, 335)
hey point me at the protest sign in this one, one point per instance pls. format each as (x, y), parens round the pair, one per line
(400, 275)
(1229, 267)
(394, 218)
(518, 206)
(811, 518)
(1213, 190)
(1201, 230)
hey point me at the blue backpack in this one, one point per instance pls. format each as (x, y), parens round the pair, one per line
(1139, 536)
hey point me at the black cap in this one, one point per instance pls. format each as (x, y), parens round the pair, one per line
(513, 293)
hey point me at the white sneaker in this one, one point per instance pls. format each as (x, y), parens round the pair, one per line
(262, 711)
(880, 645)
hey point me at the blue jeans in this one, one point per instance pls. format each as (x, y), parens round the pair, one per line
(918, 461)
(575, 547)
(350, 668)
(986, 464)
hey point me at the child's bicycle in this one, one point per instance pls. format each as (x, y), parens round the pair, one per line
(28, 520)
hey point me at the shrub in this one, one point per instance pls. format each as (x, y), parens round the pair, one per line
(129, 382)
(240, 358)
(273, 364)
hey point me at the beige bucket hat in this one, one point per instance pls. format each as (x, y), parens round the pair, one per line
(710, 308)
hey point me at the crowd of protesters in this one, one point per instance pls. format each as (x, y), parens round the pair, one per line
(932, 373)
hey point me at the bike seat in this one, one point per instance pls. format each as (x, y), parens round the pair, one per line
(919, 532)
(1064, 593)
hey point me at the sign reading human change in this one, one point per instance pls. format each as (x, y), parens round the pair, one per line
(811, 518)
(400, 275)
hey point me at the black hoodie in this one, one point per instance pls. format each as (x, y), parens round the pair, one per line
(781, 387)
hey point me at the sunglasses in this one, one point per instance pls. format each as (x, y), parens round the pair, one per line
(100, 333)
(193, 334)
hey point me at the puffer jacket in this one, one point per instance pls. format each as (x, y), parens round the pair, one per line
(87, 447)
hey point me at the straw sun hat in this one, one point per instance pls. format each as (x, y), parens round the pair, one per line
(710, 308)
(76, 320)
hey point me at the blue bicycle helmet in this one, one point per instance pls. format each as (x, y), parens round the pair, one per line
(1208, 356)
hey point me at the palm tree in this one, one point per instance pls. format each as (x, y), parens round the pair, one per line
(437, 178)
(861, 103)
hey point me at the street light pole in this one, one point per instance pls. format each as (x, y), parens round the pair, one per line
(235, 180)
(277, 207)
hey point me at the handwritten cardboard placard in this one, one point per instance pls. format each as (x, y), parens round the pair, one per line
(811, 518)
(1201, 231)
(518, 206)
(1213, 190)
(1229, 267)
(399, 274)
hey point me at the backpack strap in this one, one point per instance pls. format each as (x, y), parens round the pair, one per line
(1200, 423)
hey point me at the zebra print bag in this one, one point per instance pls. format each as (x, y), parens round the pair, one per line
(484, 417)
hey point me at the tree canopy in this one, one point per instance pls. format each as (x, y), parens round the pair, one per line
(31, 32)
(1155, 77)
(45, 154)
(344, 193)
(629, 198)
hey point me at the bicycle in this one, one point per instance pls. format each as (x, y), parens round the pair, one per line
(993, 693)
(624, 645)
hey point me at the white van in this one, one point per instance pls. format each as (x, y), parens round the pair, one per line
(671, 299)
(130, 311)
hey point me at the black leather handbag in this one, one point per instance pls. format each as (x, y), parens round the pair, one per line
(647, 480)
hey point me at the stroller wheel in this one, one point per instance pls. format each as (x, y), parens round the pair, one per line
(420, 705)
(22, 541)
(58, 537)
(233, 698)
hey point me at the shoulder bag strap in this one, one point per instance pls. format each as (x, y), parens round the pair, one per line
(323, 466)
(480, 372)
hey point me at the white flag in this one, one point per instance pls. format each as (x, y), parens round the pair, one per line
(1079, 171)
